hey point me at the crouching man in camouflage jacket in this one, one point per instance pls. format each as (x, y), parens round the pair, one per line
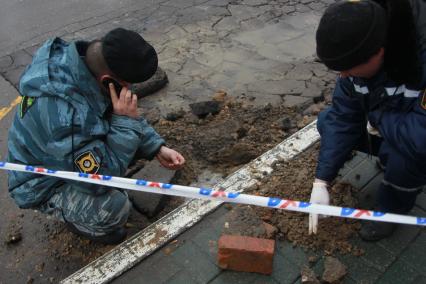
(78, 114)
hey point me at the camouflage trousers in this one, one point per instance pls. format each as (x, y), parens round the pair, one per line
(97, 215)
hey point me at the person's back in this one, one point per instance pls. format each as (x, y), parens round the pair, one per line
(68, 120)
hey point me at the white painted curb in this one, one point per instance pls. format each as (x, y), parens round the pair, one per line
(144, 243)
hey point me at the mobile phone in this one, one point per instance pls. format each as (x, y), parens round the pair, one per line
(117, 86)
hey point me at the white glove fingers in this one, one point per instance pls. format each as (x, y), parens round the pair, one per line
(314, 223)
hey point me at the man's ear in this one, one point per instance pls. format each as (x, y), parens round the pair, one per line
(104, 77)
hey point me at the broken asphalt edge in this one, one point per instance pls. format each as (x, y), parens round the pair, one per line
(127, 254)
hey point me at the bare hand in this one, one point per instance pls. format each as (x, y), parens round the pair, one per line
(126, 104)
(170, 158)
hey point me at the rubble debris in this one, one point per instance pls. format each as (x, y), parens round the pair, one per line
(334, 270)
(202, 109)
(219, 96)
(243, 220)
(13, 238)
(293, 180)
(307, 276)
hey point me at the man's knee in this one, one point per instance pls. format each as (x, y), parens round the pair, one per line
(100, 214)
(114, 211)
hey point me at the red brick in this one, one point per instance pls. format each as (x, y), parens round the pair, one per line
(246, 254)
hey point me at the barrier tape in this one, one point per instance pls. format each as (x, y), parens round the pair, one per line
(224, 196)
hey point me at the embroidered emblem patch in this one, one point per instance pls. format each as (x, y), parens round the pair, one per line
(423, 102)
(26, 103)
(87, 163)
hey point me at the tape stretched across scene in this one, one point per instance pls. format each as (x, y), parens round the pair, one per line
(222, 196)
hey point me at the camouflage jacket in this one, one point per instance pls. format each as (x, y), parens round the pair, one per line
(64, 122)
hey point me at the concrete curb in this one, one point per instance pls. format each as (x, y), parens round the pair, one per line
(144, 243)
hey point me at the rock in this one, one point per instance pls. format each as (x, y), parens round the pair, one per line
(219, 96)
(285, 123)
(155, 83)
(243, 221)
(307, 276)
(175, 115)
(334, 270)
(240, 133)
(270, 230)
(13, 238)
(202, 109)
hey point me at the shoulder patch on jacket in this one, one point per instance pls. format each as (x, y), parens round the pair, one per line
(25, 104)
(87, 163)
(423, 101)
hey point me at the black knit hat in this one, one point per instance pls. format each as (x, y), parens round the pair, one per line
(129, 56)
(350, 32)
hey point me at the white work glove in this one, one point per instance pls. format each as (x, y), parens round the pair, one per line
(319, 195)
(372, 130)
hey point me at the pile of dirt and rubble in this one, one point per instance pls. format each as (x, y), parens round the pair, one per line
(293, 180)
(238, 133)
(235, 135)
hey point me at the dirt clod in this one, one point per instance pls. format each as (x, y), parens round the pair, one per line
(243, 221)
(202, 109)
(307, 276)
(334, 270)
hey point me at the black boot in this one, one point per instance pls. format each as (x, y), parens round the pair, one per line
(153, 84)
(112, 238)
(372, 231)
(148, 204)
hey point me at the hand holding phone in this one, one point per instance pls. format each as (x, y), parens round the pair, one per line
(117, 86)
(125, 104)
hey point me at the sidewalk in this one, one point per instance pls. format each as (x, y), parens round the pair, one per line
(191, 258)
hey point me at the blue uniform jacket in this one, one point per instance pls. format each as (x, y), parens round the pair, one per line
(397, 111)
(65, 123)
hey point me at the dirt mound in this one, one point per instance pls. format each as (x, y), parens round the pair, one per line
(293, 180)
(236, 135)
(240, 133)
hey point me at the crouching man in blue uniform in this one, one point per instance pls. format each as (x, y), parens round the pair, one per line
(78, 114)
(380, 51)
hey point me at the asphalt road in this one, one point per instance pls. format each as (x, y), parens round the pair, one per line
(24, 20)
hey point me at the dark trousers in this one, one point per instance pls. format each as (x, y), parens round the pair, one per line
(403, 179)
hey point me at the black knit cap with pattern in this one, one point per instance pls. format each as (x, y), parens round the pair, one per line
(350, 32)
(129, 56)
